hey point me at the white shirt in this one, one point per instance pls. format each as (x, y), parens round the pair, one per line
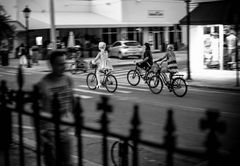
(231, 41)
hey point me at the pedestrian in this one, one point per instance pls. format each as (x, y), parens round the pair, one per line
(101, 60)
(22, 55)
(231, 40)
(35, 54)
(170, 57)
(62, 84)
(147, 61)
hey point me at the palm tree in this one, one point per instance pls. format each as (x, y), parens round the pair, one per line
(6, 30)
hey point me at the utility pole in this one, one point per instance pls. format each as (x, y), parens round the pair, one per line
(236, 56)
(53, 29)
(188, 39)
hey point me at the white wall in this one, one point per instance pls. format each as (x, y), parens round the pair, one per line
(196, 48)
(138, 10)
(15, 7)
(108, 8)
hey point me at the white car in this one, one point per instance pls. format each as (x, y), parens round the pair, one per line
(127, 48)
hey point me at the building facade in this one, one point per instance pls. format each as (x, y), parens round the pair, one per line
(214, 40)
(153, 21)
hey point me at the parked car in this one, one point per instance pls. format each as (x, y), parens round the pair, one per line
(127, 48)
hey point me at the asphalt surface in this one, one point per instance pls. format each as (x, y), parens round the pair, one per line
(213, 79)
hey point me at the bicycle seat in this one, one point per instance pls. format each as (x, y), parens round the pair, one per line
(105, 71)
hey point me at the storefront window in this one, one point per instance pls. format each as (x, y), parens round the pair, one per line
(109, 35)
(211, 43)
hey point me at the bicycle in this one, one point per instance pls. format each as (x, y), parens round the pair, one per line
(78, 66)
(109, 81)
(121, 153)
(134, 75)
(176, 84)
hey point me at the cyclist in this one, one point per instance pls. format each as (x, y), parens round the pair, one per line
(170, 57)
(147, 61)
(80, 63)
(101, 60)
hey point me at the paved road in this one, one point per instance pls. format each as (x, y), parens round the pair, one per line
(188, 111)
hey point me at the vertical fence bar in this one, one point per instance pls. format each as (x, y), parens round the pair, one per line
(135, 134)
(5, 125)
(124, 153)
(78, 128)
(169, 139)
(212, 143)
(19, 107)
(36, 117)
(106, 108)
(56, 119)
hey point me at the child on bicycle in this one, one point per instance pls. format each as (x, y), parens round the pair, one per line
(170, 57)
(101, 60)
(147, 61)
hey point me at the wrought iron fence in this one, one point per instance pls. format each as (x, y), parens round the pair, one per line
(14, 101)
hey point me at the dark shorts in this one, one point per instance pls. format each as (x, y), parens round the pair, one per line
(144, 65)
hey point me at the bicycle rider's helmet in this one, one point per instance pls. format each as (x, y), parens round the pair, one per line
(170, 47)
(102, 45)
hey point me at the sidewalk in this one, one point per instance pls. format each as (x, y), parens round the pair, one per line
(211, 78)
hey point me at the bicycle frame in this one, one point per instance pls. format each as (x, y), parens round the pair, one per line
(161, 74)
(137, 69)
(105, 74)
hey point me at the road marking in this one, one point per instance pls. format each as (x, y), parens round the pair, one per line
(122, 76)
(92, 91)
(121, 91)
(141, 84)
(83, 96)
(139, 89)
(7, 73)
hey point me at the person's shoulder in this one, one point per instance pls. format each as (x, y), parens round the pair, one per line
(42, 83)
(68, 78)
(45, 79)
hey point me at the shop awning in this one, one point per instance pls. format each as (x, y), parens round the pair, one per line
(82, 20)
(216, 12)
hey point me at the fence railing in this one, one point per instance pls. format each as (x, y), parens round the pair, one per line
(15, 100)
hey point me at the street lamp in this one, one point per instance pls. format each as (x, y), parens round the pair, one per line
(26, 11)
(188, 39)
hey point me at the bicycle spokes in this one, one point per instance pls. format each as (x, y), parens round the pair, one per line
(111, 83)
(179, 87)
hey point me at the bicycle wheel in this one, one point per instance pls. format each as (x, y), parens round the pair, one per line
(179, 86)
(91, 81)
(155, 84)
(111, 83)
(73, 68)
(133, 77)
(120, 153)
(149, 75)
